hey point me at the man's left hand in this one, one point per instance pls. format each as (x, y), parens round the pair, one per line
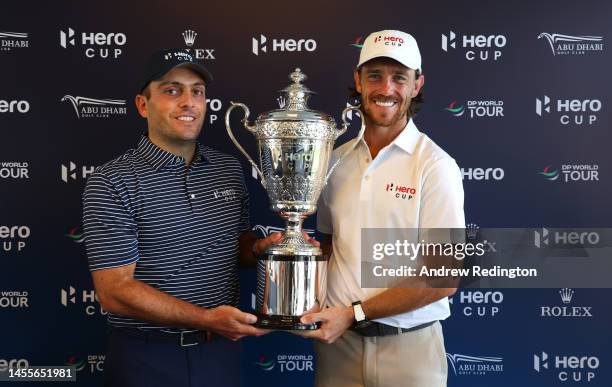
(334, 322)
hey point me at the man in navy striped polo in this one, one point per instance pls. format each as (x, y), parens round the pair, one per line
(166, 223)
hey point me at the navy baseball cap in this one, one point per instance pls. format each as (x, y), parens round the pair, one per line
(165, 60)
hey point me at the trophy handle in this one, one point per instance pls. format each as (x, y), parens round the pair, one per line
(249, 127)
(341, 131)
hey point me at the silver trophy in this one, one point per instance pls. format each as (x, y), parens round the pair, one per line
(295, 146)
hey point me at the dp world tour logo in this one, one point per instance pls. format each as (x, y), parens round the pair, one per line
(76, 235)
(474, 365)
(454, 109)
(96, 108)
(358, 43)
(265, 365)
(550, 174)
(79, 364)
(572, 44)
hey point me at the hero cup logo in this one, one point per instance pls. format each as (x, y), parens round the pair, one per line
(14, 106)
(95, 43)
(474, 365)
(11, 40)
(71, 172)
(479, 174)
(189, 36)
(13, 238)
(476, 303)
(477, 47)
(566, 310)
(260, 45)
(86, 107)
(567, 368)
(570, 111)
(400, 191)
(561, 44)
(561, 238)
(389, 40)
(87, 297)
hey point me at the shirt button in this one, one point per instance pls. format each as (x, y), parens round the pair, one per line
(367, 160)
(367, 177)
(193, 196)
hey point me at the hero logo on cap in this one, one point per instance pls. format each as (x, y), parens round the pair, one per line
(179, 55)
(390, 40)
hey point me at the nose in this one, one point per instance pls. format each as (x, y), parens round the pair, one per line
(187, 100)
(386, 85)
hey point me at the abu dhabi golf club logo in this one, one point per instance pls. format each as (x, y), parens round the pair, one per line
(573, 368)
(476, 47)
(260, 45)
(560, 238)
(561, 44)
(566, 310)
(574, 111)
(14, 299)
(11, 40)
(189, 36)
(463, 365)
(477, 108)
(96, 44)
(86, 107)
(572, 173)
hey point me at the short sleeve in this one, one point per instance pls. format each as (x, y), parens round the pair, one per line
(110, 229)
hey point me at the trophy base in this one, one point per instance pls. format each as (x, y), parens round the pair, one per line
(285, 323)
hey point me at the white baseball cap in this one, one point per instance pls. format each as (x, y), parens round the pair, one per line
(392, 44)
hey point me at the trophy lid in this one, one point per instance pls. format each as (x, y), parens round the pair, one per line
(293, 103)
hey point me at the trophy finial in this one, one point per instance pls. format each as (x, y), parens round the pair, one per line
(297, 76)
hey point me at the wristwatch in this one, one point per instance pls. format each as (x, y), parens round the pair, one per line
(360, 317)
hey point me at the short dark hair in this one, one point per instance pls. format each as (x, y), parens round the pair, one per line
(415, 104)
(147, 91)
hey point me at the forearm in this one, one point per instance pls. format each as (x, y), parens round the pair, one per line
(401, 300)
(246, 241)
(135, 299)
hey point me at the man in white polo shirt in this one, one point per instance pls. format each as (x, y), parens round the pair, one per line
(403, 343)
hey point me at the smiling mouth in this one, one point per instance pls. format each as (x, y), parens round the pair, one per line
(384, 103)
(185, 118)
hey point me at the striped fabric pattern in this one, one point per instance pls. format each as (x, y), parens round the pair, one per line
(179, 224)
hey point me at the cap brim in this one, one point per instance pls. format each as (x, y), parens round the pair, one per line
(413, 66)
(195, 67)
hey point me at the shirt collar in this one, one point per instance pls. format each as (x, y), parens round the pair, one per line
(406, 140)
(408, 137)
(159, 158)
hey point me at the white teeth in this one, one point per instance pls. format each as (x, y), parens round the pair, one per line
(385, 104)
(185, 118)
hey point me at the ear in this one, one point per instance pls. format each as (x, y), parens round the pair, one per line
(417, 85)
(357, 80)
(141, 105)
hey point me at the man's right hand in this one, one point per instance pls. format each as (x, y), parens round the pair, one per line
(232, 323)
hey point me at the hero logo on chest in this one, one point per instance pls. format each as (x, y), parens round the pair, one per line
(400, 191)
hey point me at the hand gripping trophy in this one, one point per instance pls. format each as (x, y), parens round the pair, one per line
(295, 146)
